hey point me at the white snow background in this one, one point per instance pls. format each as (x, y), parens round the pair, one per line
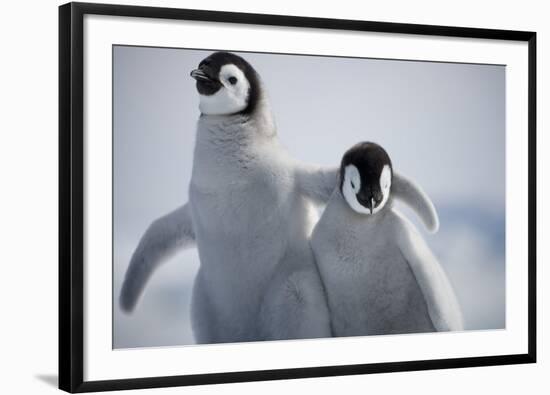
(443, 124)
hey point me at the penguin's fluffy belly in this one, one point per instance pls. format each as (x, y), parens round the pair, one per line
(243, 230)
(241, 221)
(378, 295)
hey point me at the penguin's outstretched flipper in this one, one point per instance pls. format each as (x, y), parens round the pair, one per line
(413, 195)
(318, 183)
(164, 237)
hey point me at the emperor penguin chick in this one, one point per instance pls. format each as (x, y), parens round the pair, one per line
(379, 274)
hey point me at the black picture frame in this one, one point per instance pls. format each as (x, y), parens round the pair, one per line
(71, 195)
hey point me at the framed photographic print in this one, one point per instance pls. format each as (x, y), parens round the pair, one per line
(257, 197)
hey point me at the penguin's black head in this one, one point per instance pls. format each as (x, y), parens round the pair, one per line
(227, 84)
(365, 177)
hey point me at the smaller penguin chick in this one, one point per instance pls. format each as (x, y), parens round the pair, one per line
(380, 276)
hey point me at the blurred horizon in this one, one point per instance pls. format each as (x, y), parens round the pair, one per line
(442, 125)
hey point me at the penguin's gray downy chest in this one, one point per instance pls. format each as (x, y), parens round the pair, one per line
(370, 286)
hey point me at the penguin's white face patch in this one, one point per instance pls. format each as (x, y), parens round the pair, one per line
(232, 97)
(385, 184)
(352, 186)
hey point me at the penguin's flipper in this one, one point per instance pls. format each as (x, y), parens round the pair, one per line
(164, 237)
(413, 196)
(316, 182)
(441, 301)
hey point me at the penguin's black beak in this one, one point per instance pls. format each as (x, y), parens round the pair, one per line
(200, 75)
(207, 79)
(369, 199)
(366, 200)
(369, 206)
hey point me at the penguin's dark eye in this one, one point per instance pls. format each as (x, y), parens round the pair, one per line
(352, 184)
(232, 80)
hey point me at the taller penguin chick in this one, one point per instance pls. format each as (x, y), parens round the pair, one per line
(380, 276)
